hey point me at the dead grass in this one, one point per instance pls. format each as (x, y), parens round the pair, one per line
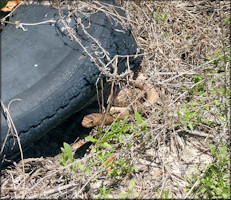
(182, 41)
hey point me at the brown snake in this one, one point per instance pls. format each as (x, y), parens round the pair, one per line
(143, 91)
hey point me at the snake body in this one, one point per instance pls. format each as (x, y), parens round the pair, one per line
(121, 103)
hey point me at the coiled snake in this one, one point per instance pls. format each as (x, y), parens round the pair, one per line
(142, 96)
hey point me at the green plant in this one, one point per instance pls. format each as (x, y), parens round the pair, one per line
(199, 88)
(121, 167)
(66, 155)
(66, 158)
(118, 136)
(160, 18)
(104, 192)
(83, 168)
(192, 115)
(214, 182)
(204, 97)
(221, 57)
(129, 194)
(187, 36)
(163, 195)
(117, 130)
(228, 21)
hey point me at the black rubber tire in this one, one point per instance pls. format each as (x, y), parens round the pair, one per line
(49, 72)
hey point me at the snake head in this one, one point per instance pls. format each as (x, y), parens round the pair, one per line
(91, 120)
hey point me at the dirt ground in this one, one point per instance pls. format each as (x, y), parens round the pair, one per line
(183, 43)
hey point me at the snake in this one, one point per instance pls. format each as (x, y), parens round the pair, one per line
(121, 103)
(141, 93)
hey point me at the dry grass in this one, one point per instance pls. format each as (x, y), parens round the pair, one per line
(182, 42)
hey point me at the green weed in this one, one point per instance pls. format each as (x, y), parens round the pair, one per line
(129, 194)
(163, 195)
(159, 17)
(117, 137)
(221, 57)
(228, 21)
(104, 192)
(204, 97)
(214, 182)
(66, 155)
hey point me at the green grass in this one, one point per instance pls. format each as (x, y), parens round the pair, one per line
(118, 136)
(214, 180)
(104, 192)
(205, 96)
(163, 194)
(129, 194)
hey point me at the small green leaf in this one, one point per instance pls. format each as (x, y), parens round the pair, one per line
(167, 193)
(62, 149)
(109, 190)
(105, 144)
(100, 132)
(63, 164)
(91, 139)
(190, 126)
(165, 17)
(68, 149)
(225, 177)
(103, 189)
(203, 190)
(124, 121)
(179, 114)
(123, 195)
(197, 79)
(136, 194)
(197, 170)
(131, 185)
(213, 149)
(226, 196)
(62, 161)
(138, 117)
(81, 167)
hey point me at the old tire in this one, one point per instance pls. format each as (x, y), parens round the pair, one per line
(50, 73)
